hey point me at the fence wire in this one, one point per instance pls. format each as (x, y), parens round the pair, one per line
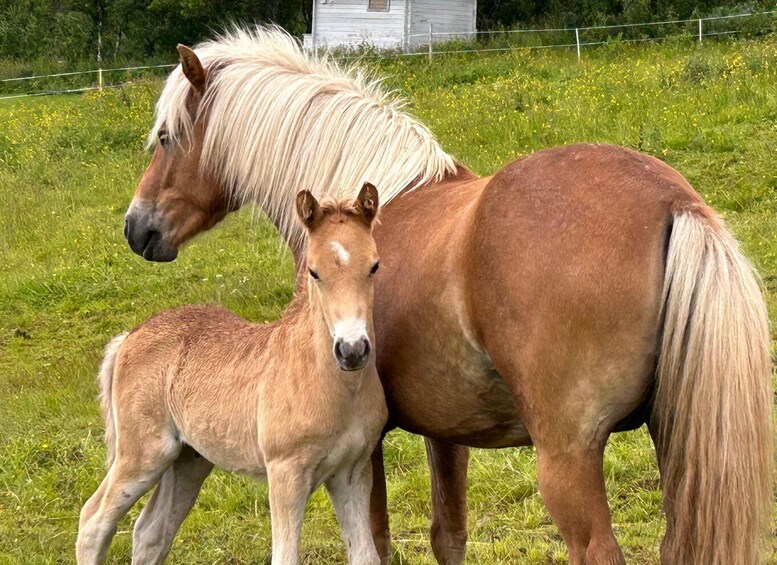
(429, 50)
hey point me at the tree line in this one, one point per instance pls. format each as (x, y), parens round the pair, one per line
(77, 30)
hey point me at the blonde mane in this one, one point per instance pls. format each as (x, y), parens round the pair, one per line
(280, 120)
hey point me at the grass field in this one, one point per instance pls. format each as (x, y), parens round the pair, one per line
(68, 282)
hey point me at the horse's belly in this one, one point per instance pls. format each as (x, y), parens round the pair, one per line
(491, 421)
(227, 452)
(226, 438)
(462, 404)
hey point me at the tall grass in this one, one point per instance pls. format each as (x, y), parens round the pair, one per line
(68, 167)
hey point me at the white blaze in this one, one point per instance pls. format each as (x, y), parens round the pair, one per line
(351, 330)
(342, 254)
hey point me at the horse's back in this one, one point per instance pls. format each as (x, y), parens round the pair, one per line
(170, 343)
(565, 266)
(190, 367)
(576, 174)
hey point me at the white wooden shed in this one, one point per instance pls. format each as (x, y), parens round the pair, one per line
(389, 24)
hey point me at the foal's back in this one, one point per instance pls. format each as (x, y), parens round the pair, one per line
(196, 371)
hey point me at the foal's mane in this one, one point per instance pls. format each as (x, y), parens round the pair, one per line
(280, 120)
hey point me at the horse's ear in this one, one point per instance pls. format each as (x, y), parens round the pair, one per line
(191, 66)
(308, 210)
(367, 202)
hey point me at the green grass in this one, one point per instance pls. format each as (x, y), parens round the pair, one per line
(68, 168)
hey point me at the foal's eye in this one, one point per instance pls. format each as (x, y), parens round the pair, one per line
(162, 135)
(314, 275)
(375, 268)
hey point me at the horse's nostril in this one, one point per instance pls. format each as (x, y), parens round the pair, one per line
(126, 227)
(352, 355)
(365, 347)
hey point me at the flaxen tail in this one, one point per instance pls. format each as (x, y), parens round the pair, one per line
(712, 417)
(105, 381)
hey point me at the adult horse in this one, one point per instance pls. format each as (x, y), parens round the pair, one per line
(577, 292)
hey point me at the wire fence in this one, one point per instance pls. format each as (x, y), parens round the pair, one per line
(435, 44)
(100, 78)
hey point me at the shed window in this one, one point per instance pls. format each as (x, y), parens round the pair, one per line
(377, 5)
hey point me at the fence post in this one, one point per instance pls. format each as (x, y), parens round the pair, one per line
(99, 41)
(100, 78)
(700, 34)
(314, 29)
(577, 41)
(430, 42)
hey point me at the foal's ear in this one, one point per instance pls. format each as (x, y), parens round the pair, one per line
(308, 210)
(367, 202)
(191, 66)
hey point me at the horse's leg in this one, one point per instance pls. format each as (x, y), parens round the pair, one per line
(127, 480)
(290, 487)
(171, 502)
(448, 467)
(90, 507)
(350, 493)
(572, 485)
(379, 520)
(569, 419)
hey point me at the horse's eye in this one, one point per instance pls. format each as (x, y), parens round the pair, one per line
(314, 275)
(375, 268)
(162, 135)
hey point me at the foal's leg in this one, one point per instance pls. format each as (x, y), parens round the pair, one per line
(171, 502)
(88, 510)
(350, 493)
(127, 480)
(379, 507)
(290, 486)
(448, 467)
(572, 485)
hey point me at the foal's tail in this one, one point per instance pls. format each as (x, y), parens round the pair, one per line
(712, 417)
(105, 380)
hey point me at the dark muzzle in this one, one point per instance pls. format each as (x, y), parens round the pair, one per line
(146, 240)
(352, 355)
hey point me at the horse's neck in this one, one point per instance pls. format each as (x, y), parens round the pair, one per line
(297, 246)
(306, 335)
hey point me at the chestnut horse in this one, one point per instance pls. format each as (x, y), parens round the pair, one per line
(297, 401)
(577, 292)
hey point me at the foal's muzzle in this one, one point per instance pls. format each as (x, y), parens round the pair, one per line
(352, 355)
(146, 239)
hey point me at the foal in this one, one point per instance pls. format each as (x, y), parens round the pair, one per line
(297, 401)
